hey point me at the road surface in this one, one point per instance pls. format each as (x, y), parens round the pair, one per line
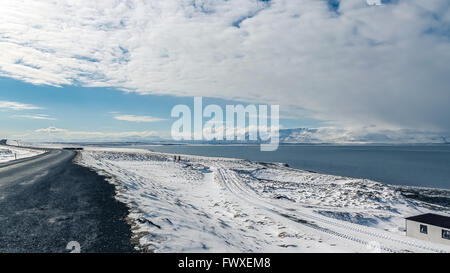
(48, 201)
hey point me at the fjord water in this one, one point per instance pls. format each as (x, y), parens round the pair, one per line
(423, 166)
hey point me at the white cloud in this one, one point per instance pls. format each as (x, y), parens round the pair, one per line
(38, 116)
(17, 106)
(385, 65)
(133, 118)
(50, 130)
(60, 134)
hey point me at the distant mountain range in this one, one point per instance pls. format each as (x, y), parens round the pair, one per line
(323, 135)
(334, 135)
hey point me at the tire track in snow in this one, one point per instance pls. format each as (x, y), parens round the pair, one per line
(233, 184)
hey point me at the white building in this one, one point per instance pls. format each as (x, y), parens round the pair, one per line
(430, 227)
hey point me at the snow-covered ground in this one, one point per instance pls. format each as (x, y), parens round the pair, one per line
(217, 204)
(8, 153)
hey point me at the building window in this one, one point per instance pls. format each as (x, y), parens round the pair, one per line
(423, 229)
(446, 234)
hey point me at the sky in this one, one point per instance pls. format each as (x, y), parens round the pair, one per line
(113, 70)
(76, 113)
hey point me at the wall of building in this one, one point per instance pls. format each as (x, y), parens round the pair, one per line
(434, 232)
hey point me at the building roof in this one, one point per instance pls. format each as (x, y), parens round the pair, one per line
(432, 219)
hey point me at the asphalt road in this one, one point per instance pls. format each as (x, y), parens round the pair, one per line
(48, 201)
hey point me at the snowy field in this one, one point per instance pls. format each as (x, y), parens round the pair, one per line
(8, 153)
(204, 204)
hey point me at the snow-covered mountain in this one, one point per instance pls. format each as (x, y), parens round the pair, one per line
(366, 135)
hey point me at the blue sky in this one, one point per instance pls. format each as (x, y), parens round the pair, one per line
(78, 108)
(352, 69)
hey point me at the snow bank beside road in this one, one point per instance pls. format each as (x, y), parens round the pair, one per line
(217, 204)
(8, 153)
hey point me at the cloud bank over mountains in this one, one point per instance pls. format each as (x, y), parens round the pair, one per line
(347, 63)
(62, 134)
(291, 136)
